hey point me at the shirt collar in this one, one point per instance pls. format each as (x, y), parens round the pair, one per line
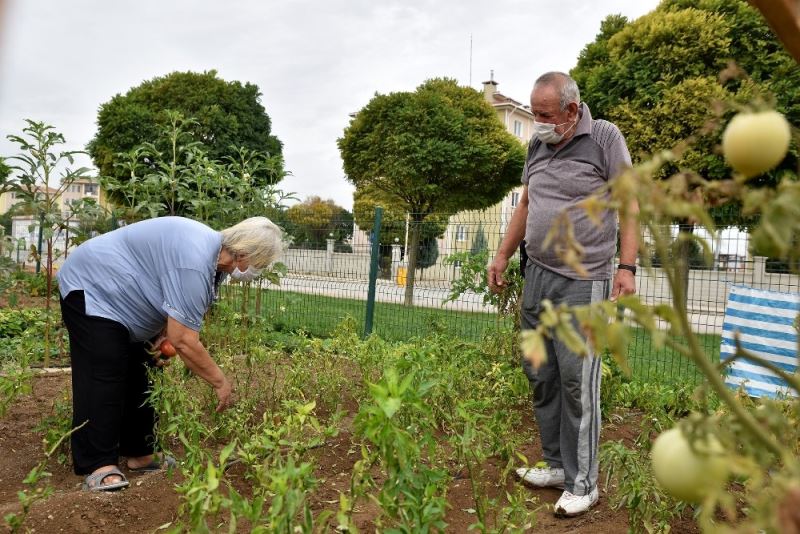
(584, 126)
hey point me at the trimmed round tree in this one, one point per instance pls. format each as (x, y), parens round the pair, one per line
(439, 149)
(227, 116)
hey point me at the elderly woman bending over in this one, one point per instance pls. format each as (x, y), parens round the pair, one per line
(117, 292)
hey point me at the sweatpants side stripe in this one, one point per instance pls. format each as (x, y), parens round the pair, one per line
(600, 291)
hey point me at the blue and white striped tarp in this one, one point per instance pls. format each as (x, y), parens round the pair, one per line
(765, 321)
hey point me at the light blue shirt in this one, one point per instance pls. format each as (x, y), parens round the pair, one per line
(139, 274)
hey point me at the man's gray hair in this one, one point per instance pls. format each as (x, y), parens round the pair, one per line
(257, 238)
(567, 87)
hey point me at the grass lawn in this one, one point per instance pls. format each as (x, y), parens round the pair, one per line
(662, 365)
(318, 316)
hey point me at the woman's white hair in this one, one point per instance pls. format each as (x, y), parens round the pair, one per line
(257, 238)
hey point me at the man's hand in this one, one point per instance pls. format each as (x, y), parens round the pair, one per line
(225, 395)
(624, 284)
(494, 274)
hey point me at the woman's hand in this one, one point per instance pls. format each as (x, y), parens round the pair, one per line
(196, 357)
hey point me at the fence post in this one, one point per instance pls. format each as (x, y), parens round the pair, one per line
(374, 261)
(759, 270)
(329, 254)
(395, 258)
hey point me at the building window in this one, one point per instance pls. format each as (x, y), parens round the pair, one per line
(514, 199)
(90, 189)
(518, 128)
(75, 188)
(461, 233)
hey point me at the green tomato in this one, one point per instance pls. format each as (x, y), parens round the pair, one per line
(754, 143)
(687, 473)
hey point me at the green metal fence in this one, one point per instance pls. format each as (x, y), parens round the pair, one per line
(365, 277)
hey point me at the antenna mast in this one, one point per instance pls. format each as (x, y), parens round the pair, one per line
(470, 60)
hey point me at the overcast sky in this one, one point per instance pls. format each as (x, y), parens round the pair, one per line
(315, 61)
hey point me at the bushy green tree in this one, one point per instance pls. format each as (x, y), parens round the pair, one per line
(428, 253)
(184, 180)
(5, 187)
(227, 116)
(664, 79)
(658, 77)
(395, 220)
(314, 220)
(438, 149)
(5, 172)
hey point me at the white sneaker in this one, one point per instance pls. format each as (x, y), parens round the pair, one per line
(571, 505)
(542, 476)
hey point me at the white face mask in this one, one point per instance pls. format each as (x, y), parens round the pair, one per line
(546, 132)
(245, 276)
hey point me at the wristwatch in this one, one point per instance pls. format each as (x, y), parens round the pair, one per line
(625, 266)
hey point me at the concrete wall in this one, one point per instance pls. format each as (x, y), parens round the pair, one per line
(327, 262)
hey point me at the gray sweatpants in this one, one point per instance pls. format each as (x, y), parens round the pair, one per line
(566, 389)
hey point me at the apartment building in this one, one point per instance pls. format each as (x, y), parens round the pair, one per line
(25, 227)
(79, 189)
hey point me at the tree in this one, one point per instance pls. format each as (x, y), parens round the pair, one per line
(428, 253)
(5, 173)
(37, 167)
(659, 79)
(183, 180)
(479, 244)
(314, 220)
(6, 186)
(227, 116)
(438, 149)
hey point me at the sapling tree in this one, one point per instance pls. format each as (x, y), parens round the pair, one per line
(40, 175)
(183, 179)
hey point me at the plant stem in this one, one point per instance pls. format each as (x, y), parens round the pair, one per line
(742, 353)
(696, 353)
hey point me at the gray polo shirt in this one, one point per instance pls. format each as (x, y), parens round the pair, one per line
(142, 273)
(557, 179)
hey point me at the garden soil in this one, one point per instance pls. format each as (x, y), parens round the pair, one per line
(150, 504)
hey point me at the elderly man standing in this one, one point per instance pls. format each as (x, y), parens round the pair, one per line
(570, 157)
